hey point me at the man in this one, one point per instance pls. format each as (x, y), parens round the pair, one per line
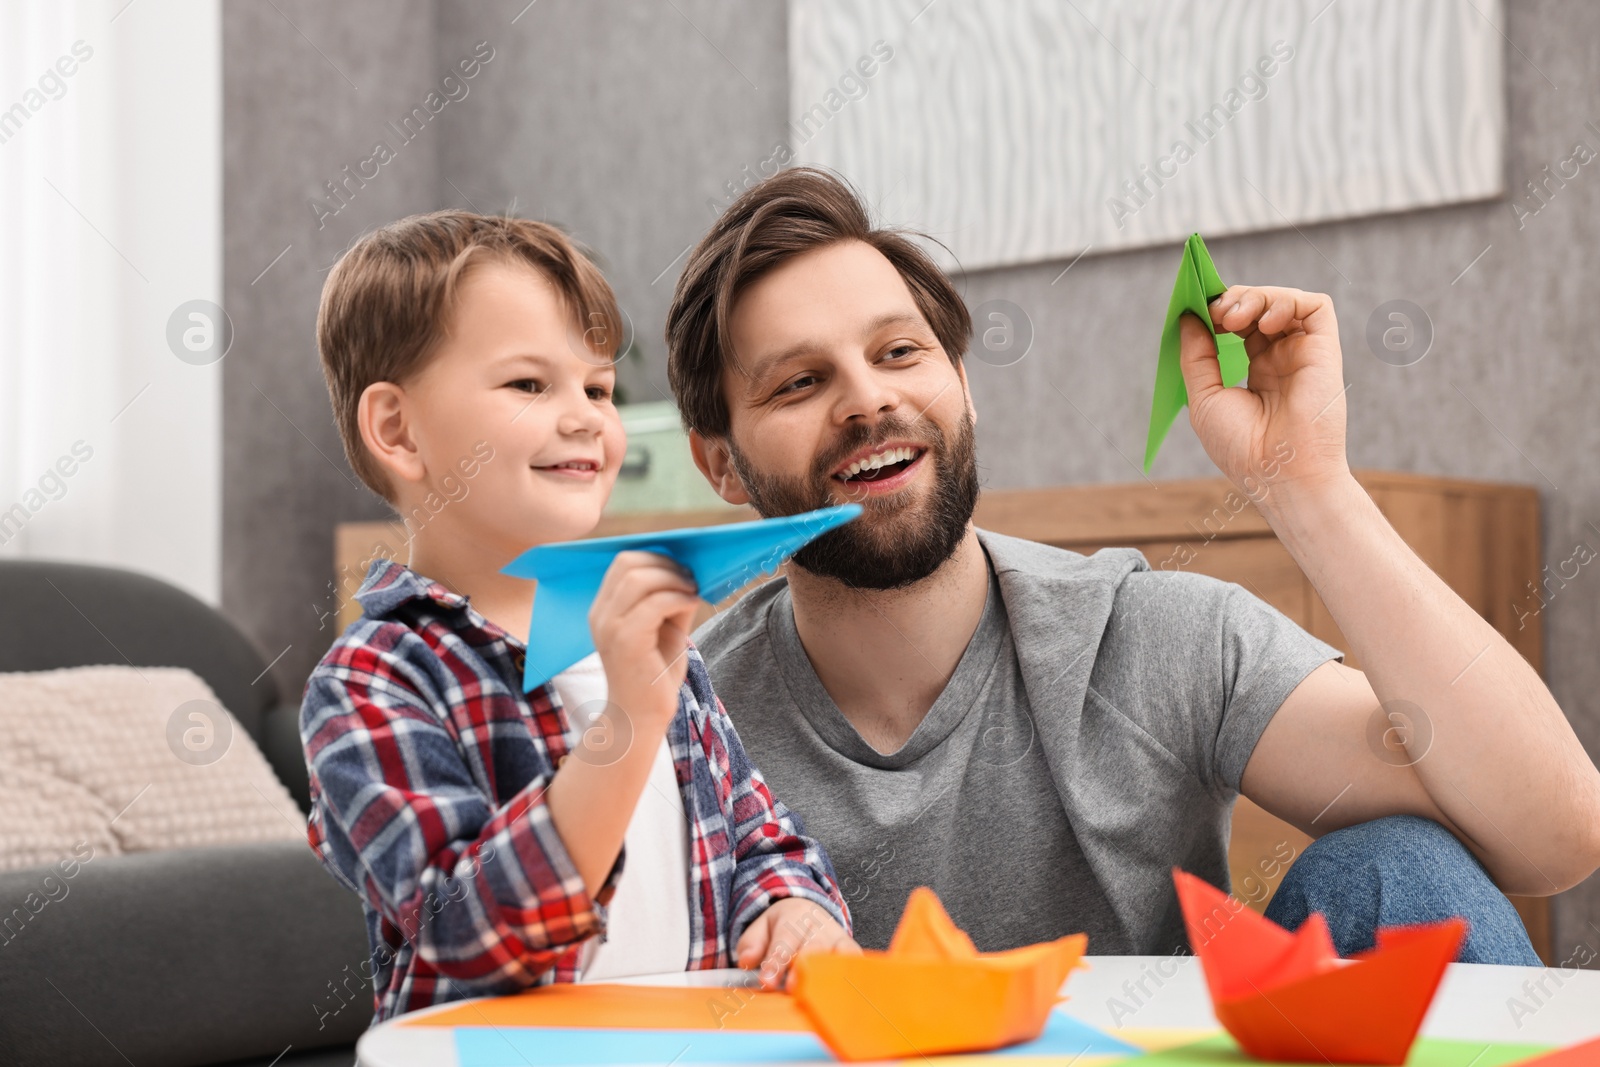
(1041, 736)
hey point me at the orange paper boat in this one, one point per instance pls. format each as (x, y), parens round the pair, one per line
(932, 991)
(1289, 997)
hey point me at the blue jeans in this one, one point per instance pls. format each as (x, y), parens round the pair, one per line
(1398, 871)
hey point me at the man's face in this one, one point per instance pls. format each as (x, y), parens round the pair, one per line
(840, 392)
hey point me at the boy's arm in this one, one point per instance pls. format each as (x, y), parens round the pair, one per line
(774, 859)
(484, 895)
(640, 620)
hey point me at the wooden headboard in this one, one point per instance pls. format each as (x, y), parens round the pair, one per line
(1482, 538)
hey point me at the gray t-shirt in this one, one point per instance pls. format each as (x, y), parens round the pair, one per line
(1030, 825)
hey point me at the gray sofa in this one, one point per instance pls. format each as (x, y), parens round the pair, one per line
(246, 955)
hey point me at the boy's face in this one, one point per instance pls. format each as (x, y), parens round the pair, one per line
(513, 371)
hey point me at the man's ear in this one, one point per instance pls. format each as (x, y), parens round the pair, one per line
(961, 372)
(711, 456)
(381, 417)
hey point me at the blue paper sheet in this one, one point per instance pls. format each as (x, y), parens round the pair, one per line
(722, 558)
(542, 1046)
(530, 1046)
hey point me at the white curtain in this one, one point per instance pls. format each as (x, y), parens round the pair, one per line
(110, 218)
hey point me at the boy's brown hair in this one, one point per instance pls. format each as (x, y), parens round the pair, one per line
(388, 302)
(793, 212)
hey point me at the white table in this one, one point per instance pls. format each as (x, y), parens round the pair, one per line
(1475, 1002)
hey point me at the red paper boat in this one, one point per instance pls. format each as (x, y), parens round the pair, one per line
(1583, 1054)
(1288, 996)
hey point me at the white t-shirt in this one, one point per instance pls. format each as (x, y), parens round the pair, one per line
(648, 927)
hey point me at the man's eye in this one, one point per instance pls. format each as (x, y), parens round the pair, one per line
(798, 383)
(526, 385)
(903, 350)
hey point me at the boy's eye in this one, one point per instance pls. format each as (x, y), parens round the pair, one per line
(599, 392)
(526, 385)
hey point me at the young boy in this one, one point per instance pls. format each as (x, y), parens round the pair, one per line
(469, 360)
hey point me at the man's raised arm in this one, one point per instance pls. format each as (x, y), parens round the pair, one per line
(1503, 770)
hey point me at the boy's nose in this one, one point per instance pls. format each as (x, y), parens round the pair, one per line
(580, 416)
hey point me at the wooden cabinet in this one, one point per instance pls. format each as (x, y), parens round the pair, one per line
(1483, 539)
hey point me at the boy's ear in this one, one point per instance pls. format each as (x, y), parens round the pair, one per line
(381, 417)
(711, 456)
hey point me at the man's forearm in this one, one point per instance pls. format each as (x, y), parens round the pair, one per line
(1503, 765)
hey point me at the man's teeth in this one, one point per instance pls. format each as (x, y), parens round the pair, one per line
(879, 459)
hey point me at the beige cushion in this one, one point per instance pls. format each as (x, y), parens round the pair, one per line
(128, 759)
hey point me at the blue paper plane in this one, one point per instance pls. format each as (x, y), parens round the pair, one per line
(722, 559)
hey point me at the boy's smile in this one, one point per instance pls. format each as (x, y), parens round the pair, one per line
(585, 470)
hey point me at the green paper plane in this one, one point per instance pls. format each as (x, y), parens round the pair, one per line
(1198, 284)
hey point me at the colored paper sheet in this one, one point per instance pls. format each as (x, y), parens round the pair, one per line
(1197, 285)
(598, 1006)
(722, 559)
(601, 1008)
(515, 1046)
(1159, 1039)
(1065, 1036)
(1223, 1051)
(481, 1046)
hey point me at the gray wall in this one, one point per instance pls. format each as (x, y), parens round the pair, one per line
(622, 119)
(307, 90)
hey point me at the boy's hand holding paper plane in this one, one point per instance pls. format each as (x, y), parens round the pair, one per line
(721, 559)
(1288, 426)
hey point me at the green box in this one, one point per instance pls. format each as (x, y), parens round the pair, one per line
(658, 473)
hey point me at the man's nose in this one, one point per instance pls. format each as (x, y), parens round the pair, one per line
(864, 393)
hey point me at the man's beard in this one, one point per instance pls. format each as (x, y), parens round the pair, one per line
(894, 542)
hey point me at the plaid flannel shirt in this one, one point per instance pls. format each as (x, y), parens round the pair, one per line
(428, 768)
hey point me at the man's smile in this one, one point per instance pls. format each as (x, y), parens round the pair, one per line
(881, 468)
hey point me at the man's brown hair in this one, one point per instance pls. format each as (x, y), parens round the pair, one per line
(793, 212)
(387, 303)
